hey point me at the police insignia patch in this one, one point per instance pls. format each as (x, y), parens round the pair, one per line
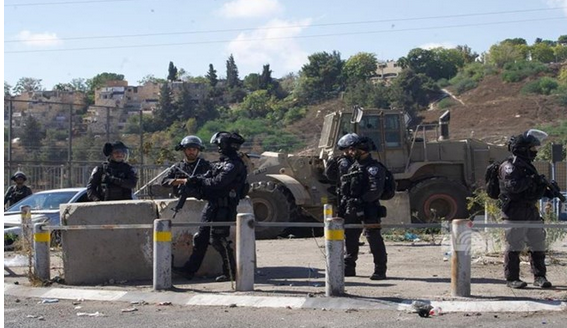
(228, 166)
(373, 170)
(508, 169)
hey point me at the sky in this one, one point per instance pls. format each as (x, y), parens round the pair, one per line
(60, 40)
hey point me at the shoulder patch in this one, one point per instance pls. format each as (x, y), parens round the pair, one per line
(373, 170)
(508, 168)
(228, 166)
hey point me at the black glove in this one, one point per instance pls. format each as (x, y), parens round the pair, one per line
(111, 180)
(194, 180)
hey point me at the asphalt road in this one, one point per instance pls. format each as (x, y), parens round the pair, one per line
(31, 313)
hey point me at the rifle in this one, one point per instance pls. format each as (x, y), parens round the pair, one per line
(154, 179)
(185, 191)
(553, 187)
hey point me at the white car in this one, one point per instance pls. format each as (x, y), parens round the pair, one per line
(44, 208)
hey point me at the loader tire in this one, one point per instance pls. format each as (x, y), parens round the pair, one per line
(272, 202)
(438, 199)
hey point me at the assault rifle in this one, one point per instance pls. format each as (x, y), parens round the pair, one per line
(553, 187)
(186, 190)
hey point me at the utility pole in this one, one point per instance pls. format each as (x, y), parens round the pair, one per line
(70, 147)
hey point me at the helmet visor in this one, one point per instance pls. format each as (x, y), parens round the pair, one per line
(537, 134)
(120, 154)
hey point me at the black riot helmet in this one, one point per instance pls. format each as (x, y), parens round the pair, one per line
(365, 144)
(347, 141)
(227, 141)
(190, 142)
(17, 175)
(524, 145)
(108, 148)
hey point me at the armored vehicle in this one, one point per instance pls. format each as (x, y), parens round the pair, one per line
(434, 174)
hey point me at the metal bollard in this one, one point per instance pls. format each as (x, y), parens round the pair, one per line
(162, 254)
(334, 249)
(461, 259)
(41, 240)
(27, 228)
(245, 252)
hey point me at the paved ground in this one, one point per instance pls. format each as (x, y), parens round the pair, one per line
(290, 273)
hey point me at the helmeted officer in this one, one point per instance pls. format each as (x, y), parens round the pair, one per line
(191, 165)
(362, 187)
(18, 191)
(114, 179)
(338, 166)
(223, 186)
(521, 187)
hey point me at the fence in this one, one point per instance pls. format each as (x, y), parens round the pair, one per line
(246, 256)
(46, 177)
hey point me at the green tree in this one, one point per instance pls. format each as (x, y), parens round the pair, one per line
(562, 40)
(506, 52)
(265, 80)
(542, 52)
(185, 104)
(360, 67)
(412, 92)
(468, 55)
(252, 82)
(7, 89)
(165, 113)
(27, 84)
(151, 78)
(437, 63)
(256, 104)
(560, 52)
(368, 94)
(32, 134)
(232, 73)
(172, 72)
(212, 76)
(321, 77)
(101, 79)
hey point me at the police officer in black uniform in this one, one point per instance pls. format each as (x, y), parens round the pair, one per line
(362, 187)
(338, 166)
(223, 186)
(192, 164)
(17, 192)
(115, 178)
(521, 187)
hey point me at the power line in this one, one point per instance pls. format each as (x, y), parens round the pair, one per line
(282, 38)
(29, 4)
(290, 26)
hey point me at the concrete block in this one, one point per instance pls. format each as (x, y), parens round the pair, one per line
(100, 256)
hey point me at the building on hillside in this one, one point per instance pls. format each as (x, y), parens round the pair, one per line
(386, 72)
(51, 108)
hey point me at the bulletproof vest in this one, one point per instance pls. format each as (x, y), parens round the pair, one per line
(353, 183)
(119, 170)
(236, 186)
(522, 170)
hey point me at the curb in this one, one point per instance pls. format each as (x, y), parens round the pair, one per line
(244, 300)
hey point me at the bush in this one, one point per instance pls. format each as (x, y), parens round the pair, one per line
(515, 72)
(542, 86)
(446, 103)
(464, 85)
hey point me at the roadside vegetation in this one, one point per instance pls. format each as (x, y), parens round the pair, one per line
(262, 107)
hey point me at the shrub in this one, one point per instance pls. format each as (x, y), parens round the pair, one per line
(542, 86)
(446, 103)
(465, 85)
(515, 72)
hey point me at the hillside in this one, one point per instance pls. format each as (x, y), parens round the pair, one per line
(492, 112)
(496, 110)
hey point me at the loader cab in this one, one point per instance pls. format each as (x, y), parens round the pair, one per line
(385, 127)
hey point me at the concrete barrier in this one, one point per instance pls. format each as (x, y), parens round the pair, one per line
(102, 256)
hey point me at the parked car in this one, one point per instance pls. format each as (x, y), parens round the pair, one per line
(44, 208)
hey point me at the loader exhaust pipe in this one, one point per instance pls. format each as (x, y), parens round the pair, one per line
(444, 125)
